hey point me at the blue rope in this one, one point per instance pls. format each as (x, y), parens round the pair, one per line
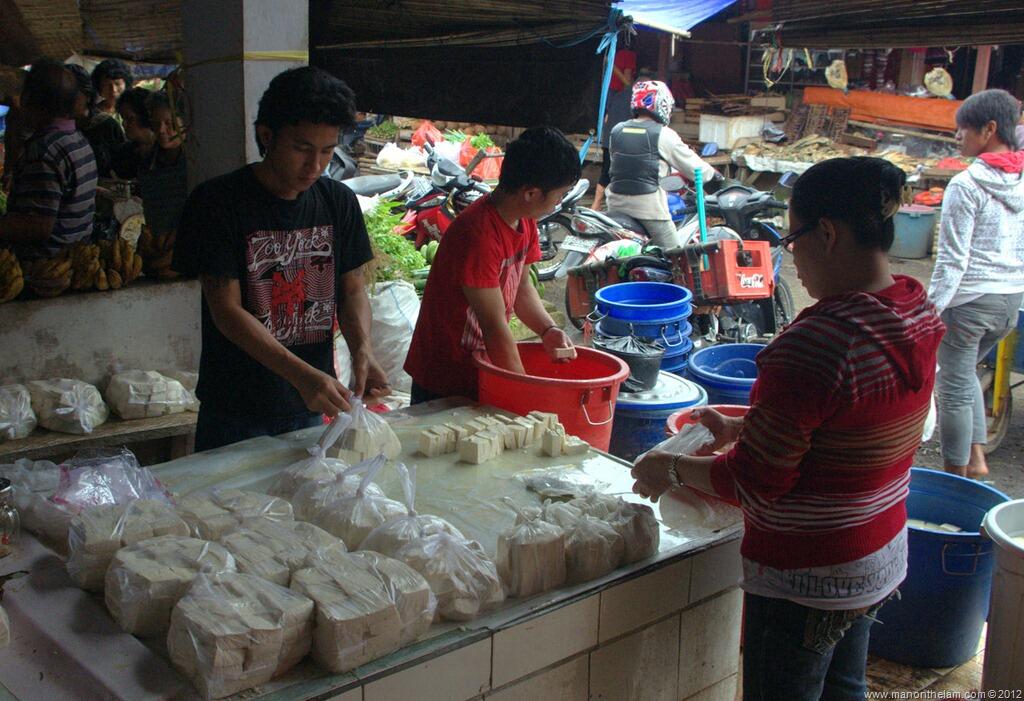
(609, 43)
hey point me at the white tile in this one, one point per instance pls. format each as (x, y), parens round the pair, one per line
(567, 682)
(716, 570)
(545, 640)
(350, 695)
(645, 599)
(461, 674)
(724, 690)
(642, 666)
(709, 649)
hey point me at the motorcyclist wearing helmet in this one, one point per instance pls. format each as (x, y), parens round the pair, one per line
(642, 149)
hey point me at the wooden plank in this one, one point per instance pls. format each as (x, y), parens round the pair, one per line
(42, 443)
(903, 130)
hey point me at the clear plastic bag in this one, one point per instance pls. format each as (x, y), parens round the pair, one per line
(367, 606)
(367, 436)
(67, 406)
(639, 529)
(276, 549)
(33, 485)
(462, 577)
(563, 482)
(561, 514)
(141, 394)
(317, 467)
(392, 536)
(593, 548)
(210, 515)
(17, 419)
(97, 532)
(188, 380)
(598, 505)
(145, 580)
(98, 477)
(316, 494)
(232, 631)
(354, 517)
(531, 555)
(395, 308)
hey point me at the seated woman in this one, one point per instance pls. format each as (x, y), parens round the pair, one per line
(821, 464)
(141, 139)
(163, 177)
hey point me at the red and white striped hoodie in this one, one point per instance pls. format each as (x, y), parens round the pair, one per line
(821, 468)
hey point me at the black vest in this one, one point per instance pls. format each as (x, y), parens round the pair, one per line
(633, 147)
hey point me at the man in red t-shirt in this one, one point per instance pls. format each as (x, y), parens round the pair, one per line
(477, 278)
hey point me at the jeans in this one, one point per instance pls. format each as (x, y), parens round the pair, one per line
(662, 232)
(215, 429)
(972, 330)
(796, 653)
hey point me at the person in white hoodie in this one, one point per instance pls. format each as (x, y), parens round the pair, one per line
(978, 280)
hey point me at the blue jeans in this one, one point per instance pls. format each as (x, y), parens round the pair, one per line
(796, 653)
(214, 429)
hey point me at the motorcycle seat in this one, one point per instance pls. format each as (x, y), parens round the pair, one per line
(370, 185)
(627, 222)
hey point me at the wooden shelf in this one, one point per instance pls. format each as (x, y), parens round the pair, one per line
(43, 444)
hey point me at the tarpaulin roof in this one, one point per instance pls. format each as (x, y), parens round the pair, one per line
(676, 17)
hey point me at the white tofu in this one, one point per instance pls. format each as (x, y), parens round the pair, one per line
(474, 449)
(548, 419)
(551, 443)
(430, 443)
(531, 557)
(571, 445)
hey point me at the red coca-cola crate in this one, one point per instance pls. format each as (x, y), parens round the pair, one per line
(725, 271)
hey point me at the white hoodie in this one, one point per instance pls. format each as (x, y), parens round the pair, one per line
(981, 238)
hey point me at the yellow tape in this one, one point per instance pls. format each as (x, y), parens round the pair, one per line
(297, 56)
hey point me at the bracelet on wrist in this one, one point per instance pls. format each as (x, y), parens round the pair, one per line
(545, 331)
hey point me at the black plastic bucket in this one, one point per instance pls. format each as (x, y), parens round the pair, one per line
(643, 359)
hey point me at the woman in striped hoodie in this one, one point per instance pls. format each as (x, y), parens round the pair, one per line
(821, 462)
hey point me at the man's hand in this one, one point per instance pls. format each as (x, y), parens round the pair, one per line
(323, 394)
(371, 382)
(555, 340)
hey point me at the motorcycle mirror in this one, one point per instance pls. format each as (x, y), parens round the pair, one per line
(672, 183)
(709, 149)
(788, 179)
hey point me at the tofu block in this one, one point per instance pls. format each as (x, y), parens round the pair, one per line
(231, 632)
(353, 518)
(458, 430)
(533, 430)
(297, 475)
(211, 515)
(639, 530)
(474, 450)
(551, 443)
(146, 580)
(564, 353)
(531, 557)
(593, 548)
(275, 549)
(430, 444)
(376, 437)
(571, 445)
(549, 420)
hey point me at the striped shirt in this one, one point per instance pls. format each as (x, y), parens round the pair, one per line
(821, 468)
(56, 177)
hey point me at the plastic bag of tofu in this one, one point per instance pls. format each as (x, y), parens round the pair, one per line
(390, 537)
(354, 517)
(593, 548)
(97, 532)
(189, 380)
(67, 406)
(232, 631)
(461, 575)
(275, 549)
(368, 435)
(639, 530)
(141, 394)
(33, 485)
(212, 514)
(317, 467)
(531, 554)
(315, 494)
(17, 419)
(102, 476)
(367, 606)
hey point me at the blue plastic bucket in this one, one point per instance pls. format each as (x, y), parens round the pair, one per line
(938, 620)
(914, 224)
(727, 371)
(646, 302)
(669, 334)
(677, 357)
(640, 416)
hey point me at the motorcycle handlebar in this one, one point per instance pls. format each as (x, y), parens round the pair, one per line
(776, 204)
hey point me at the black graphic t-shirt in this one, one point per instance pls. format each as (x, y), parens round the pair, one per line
(288, 256)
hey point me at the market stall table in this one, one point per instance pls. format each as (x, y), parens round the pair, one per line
(666, 627)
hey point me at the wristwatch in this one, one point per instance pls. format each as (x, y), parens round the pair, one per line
(673, 476)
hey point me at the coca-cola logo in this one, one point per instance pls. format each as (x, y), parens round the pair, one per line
(748, 282)
(269, 249)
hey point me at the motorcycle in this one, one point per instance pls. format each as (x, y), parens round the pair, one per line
(553, 229)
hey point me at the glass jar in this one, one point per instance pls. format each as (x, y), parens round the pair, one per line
(10, 520)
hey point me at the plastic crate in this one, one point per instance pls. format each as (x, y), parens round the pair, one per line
(726, 131)
(728, 278)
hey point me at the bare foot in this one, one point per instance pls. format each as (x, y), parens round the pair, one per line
(958, 470)
(977, 466)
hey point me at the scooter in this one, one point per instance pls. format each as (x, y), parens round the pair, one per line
(555, 227)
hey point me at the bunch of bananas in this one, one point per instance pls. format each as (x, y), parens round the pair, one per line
(48, 277)
(157, 251)
(120, 265)
(11, 279)
(85, 265)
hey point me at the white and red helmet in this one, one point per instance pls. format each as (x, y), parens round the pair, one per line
(654, 97)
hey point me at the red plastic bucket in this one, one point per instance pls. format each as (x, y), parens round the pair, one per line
(682, 417)
(582, 392)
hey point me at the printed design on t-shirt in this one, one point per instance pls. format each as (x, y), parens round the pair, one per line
(290, 283)
(508, 280)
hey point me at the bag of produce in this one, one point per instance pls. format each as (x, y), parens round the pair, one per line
(531, 555)
(597, 505)
(560, 513)
(97, 532)
(231, 632)
(395, 308)
(275, 550)
(426, 132)
(317, 467)
(367, 606)
(366, 436)
(67, 406)
(141, 394)
(490, 167)
(392, 536)
(211, 515)
(639, 530)
(317, 493)
(462, 577)
(354, 517)
(593, 548)
(33, 485)
(17, 419)
(97, 477)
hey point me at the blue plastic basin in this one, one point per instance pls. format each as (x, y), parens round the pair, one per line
(726, 371)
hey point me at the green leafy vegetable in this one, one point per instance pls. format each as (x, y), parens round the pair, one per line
(383, 131)
(481, 141)
(454, 135)
(395, 257)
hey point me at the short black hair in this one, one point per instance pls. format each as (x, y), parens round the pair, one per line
(306, 94)
(158, 100)
(82, 78)
(541, 157)
(996, 106)
(111, 69)
(136, 100)
(862, 192)
(51, 87)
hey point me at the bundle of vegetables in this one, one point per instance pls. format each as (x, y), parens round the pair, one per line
(481, 141)
(455, 136)
(385, 131)
(395, 257)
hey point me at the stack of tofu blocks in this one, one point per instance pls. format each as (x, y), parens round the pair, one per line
(486, 437)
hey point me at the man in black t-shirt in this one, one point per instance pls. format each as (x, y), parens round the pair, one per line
(278, 250)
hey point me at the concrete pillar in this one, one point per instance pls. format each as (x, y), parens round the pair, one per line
(981, 64)
(224, 91)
